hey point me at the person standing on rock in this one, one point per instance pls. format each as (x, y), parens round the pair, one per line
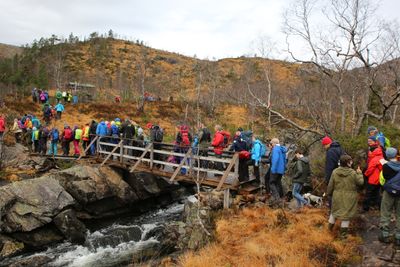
(278, 168)
(333, 153)
(374, 168)
(16, 129)
(343, 187)
(60, 109)
(390, 180)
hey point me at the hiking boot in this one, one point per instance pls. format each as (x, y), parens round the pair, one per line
(384, 238)
(343, 233)
(331, 226)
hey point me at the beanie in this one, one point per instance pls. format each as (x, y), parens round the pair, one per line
(326, 141)
(391, 152)
(373, 138)
(371, 128)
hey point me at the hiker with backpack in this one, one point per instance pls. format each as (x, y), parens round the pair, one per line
(384, 142)
(390, 180)
(16, 129)
(343, 188)
(60, 109)
(374, 168)
(35, 122)
(35, 139)
(128, 133)
(240, 146)
(58, 96)
(220, 142)
(34, 95)
(204, 142)
(302, 173)
(47, 114)
(258, 150)
(67, 137)
(77, 135)
(54, 138)
(92, 136)
(278, 168)
(42, 97)
(333, 153)
(43, 137)
(183, 142)
(85, 136)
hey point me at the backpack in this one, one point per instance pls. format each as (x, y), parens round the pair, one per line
(42, 97)
(206, 137)
(227, 138)
(67, 134)
(78, 134)
(47, 112)
(247, 137)
(393, 185)
(185, 138)
(55, 135)
(36, 135)
(158, 133)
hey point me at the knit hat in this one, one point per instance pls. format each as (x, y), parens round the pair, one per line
(391, 152)
(326, 141)
(373, 138)
(371, 128)
(149, 125)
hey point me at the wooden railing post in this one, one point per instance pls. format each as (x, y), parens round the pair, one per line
(148, 147)
(151, 156)
(227, 171)
(180, 165)
(88, 148)
(121, 155)
(112, 151)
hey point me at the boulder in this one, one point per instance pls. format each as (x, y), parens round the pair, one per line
(70, 226)
(30, 204)
(40, 237)
(34, 261)
(9, 247)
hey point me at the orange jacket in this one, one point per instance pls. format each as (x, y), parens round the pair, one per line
(374, 166)
(218, 143)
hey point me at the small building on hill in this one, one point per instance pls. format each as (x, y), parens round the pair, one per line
(85, 91)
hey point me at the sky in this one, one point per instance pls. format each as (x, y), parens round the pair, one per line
(205, 28)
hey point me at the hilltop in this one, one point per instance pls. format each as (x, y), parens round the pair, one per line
(8, 51)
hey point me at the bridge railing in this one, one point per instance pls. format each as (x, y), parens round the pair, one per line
(124, 151)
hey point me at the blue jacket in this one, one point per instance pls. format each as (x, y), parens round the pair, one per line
(101, 129)
(114, 130)
(59, 107)
(278, 160)
(332, 159)
(256, 151)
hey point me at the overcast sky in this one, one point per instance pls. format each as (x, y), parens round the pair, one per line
(207, 28)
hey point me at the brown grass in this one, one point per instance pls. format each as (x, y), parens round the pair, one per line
(266, 237)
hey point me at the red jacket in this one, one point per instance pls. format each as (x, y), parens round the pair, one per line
(374, 166)
(2, 125)
(218, 143)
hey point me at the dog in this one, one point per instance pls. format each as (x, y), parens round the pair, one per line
(316, 201)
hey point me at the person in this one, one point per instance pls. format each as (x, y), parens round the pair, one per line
(65, 96)
(204, 142)
(34, 95)
(258, 150)
(42, 97)
(35, 139)
(278, 167)
(390, 201)
(69, 97)
(384, 142)
(128, 133)
(375, 154)
(92, 136)
(2, 126)
(47, 114)
(343, 187)
(43, 137)
(60, 109)
(67, 137)
(240, 145)
(101, 131)
(17, 130)
(58, 96)
(333, 153)
(54, 138)
(156, 137)
(77, 136)
(85, 136)
(28, 123)
(117, 99)
(301, 175)
(220, 142)
(75, 99)
(183, 142)
(28, 139)
(46, 95)
(114, 133)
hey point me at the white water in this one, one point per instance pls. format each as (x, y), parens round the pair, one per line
(114, 245)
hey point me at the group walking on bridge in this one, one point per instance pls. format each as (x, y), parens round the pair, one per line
(269, 160)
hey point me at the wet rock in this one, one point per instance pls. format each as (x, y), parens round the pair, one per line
(34, 261)
(70, 226)
(30, 204)
(39, 237)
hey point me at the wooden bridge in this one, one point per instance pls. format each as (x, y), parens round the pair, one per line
(161, 159)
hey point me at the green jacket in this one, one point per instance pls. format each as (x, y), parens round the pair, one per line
(302, 171)
(343, 187)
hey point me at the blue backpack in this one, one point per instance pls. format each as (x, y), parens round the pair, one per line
(55, 135)
(393, 185)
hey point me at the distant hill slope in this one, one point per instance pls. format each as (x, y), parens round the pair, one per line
(8, 51)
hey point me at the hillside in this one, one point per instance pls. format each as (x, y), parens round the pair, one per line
(8, 51)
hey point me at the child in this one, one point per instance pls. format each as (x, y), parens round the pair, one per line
(302, 173)
(343, 189)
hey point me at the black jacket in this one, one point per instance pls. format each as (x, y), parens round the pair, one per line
(127, 130)
(332, 159)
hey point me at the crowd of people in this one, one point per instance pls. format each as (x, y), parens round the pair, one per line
(380, 178)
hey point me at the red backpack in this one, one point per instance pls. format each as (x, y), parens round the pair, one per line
(67, 134)
(185, 140)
